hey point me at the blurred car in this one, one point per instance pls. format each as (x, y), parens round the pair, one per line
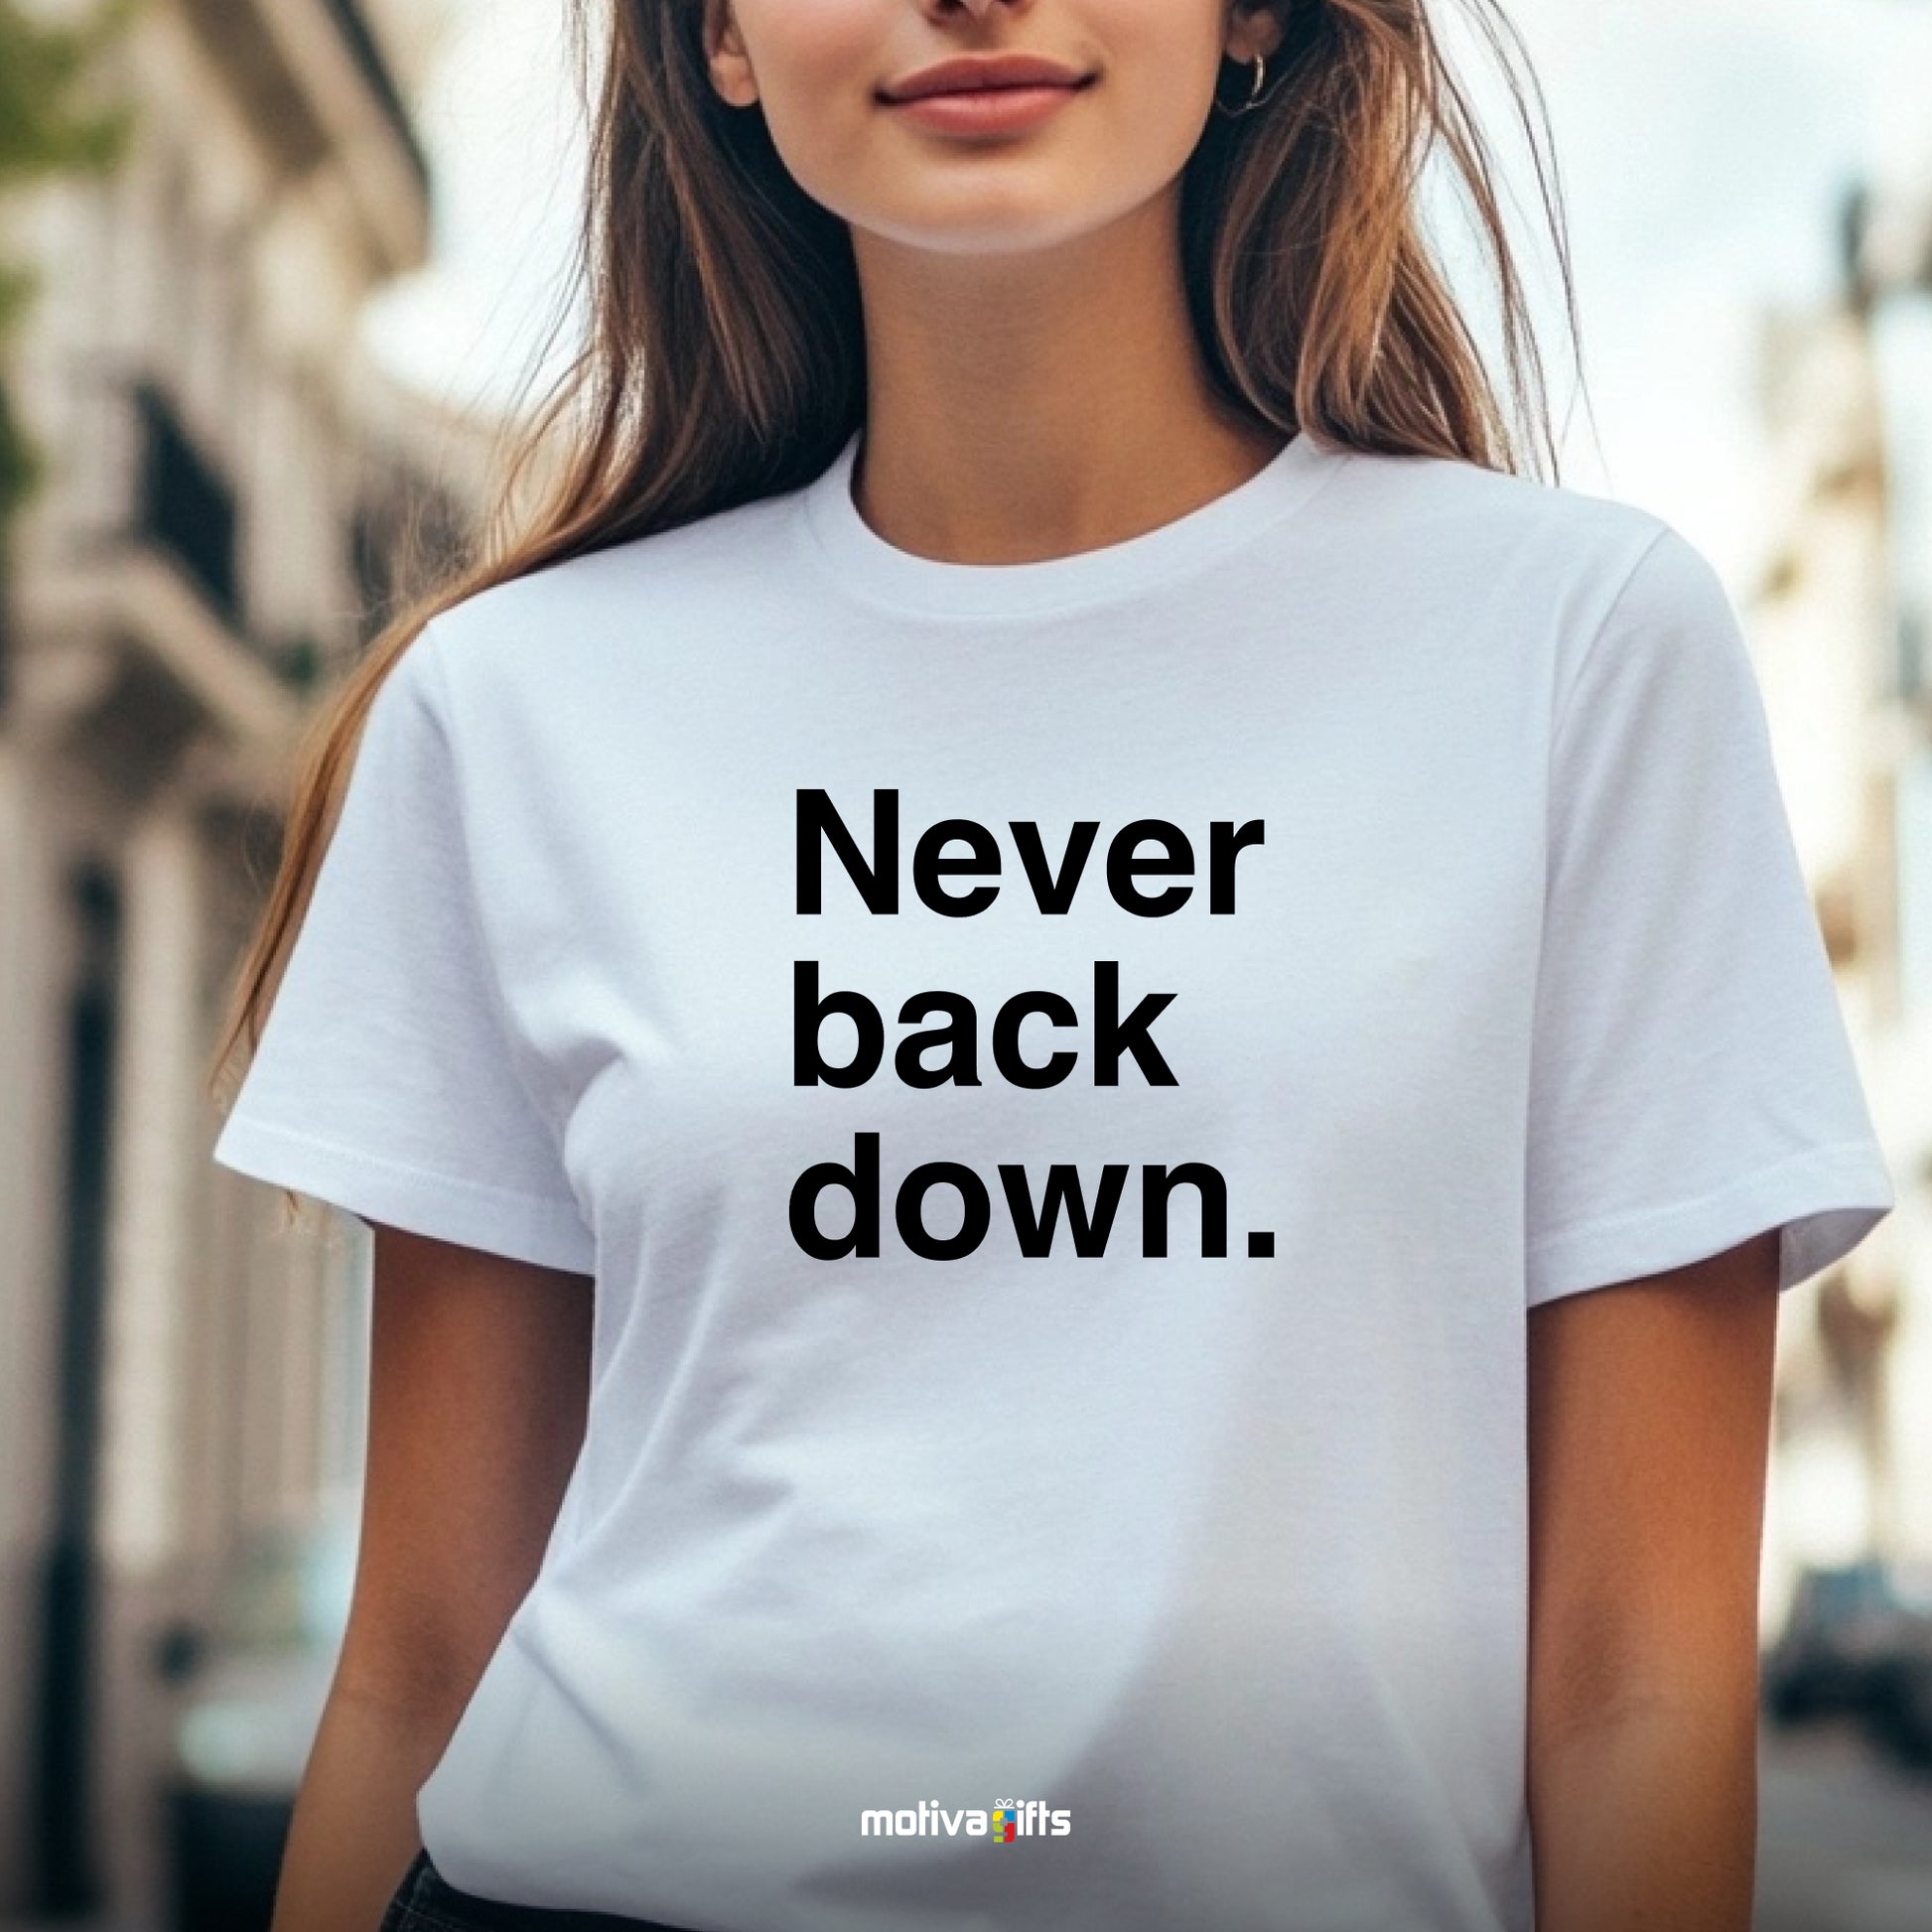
(1857, 1643)
(255, 1687)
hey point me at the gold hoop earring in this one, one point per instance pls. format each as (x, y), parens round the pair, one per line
(1253, 93)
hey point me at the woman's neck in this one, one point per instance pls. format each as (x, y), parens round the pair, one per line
(1025, 407)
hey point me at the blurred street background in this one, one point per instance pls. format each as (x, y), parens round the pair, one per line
(274, 277)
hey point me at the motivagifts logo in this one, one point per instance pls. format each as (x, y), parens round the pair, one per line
(1007, 1821)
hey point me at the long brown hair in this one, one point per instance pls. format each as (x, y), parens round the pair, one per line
(724, 358)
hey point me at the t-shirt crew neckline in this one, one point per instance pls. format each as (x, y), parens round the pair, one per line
(881, 571)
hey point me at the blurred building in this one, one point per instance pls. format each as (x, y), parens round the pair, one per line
(232, 494)
(1840, 632)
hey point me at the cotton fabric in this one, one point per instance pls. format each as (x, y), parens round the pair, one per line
(1221, 1551)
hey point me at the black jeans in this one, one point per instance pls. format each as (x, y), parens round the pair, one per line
(426, 1901)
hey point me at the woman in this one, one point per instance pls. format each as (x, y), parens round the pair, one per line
(996, 1000)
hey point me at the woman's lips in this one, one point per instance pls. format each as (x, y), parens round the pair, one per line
(987, 110)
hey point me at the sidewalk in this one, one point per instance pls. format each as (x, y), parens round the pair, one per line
(1845, 1841)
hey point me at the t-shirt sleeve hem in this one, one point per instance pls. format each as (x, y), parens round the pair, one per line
(525, 1227)
(1824, 1200)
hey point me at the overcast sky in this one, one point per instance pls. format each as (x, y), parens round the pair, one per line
(1702, 144)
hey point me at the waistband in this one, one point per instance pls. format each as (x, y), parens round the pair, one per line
(434, 1892)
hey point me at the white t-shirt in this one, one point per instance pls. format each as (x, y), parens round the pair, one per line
(1366, 902)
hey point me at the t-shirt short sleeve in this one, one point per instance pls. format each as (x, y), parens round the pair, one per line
(385, 1082)
(1691, 1079)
